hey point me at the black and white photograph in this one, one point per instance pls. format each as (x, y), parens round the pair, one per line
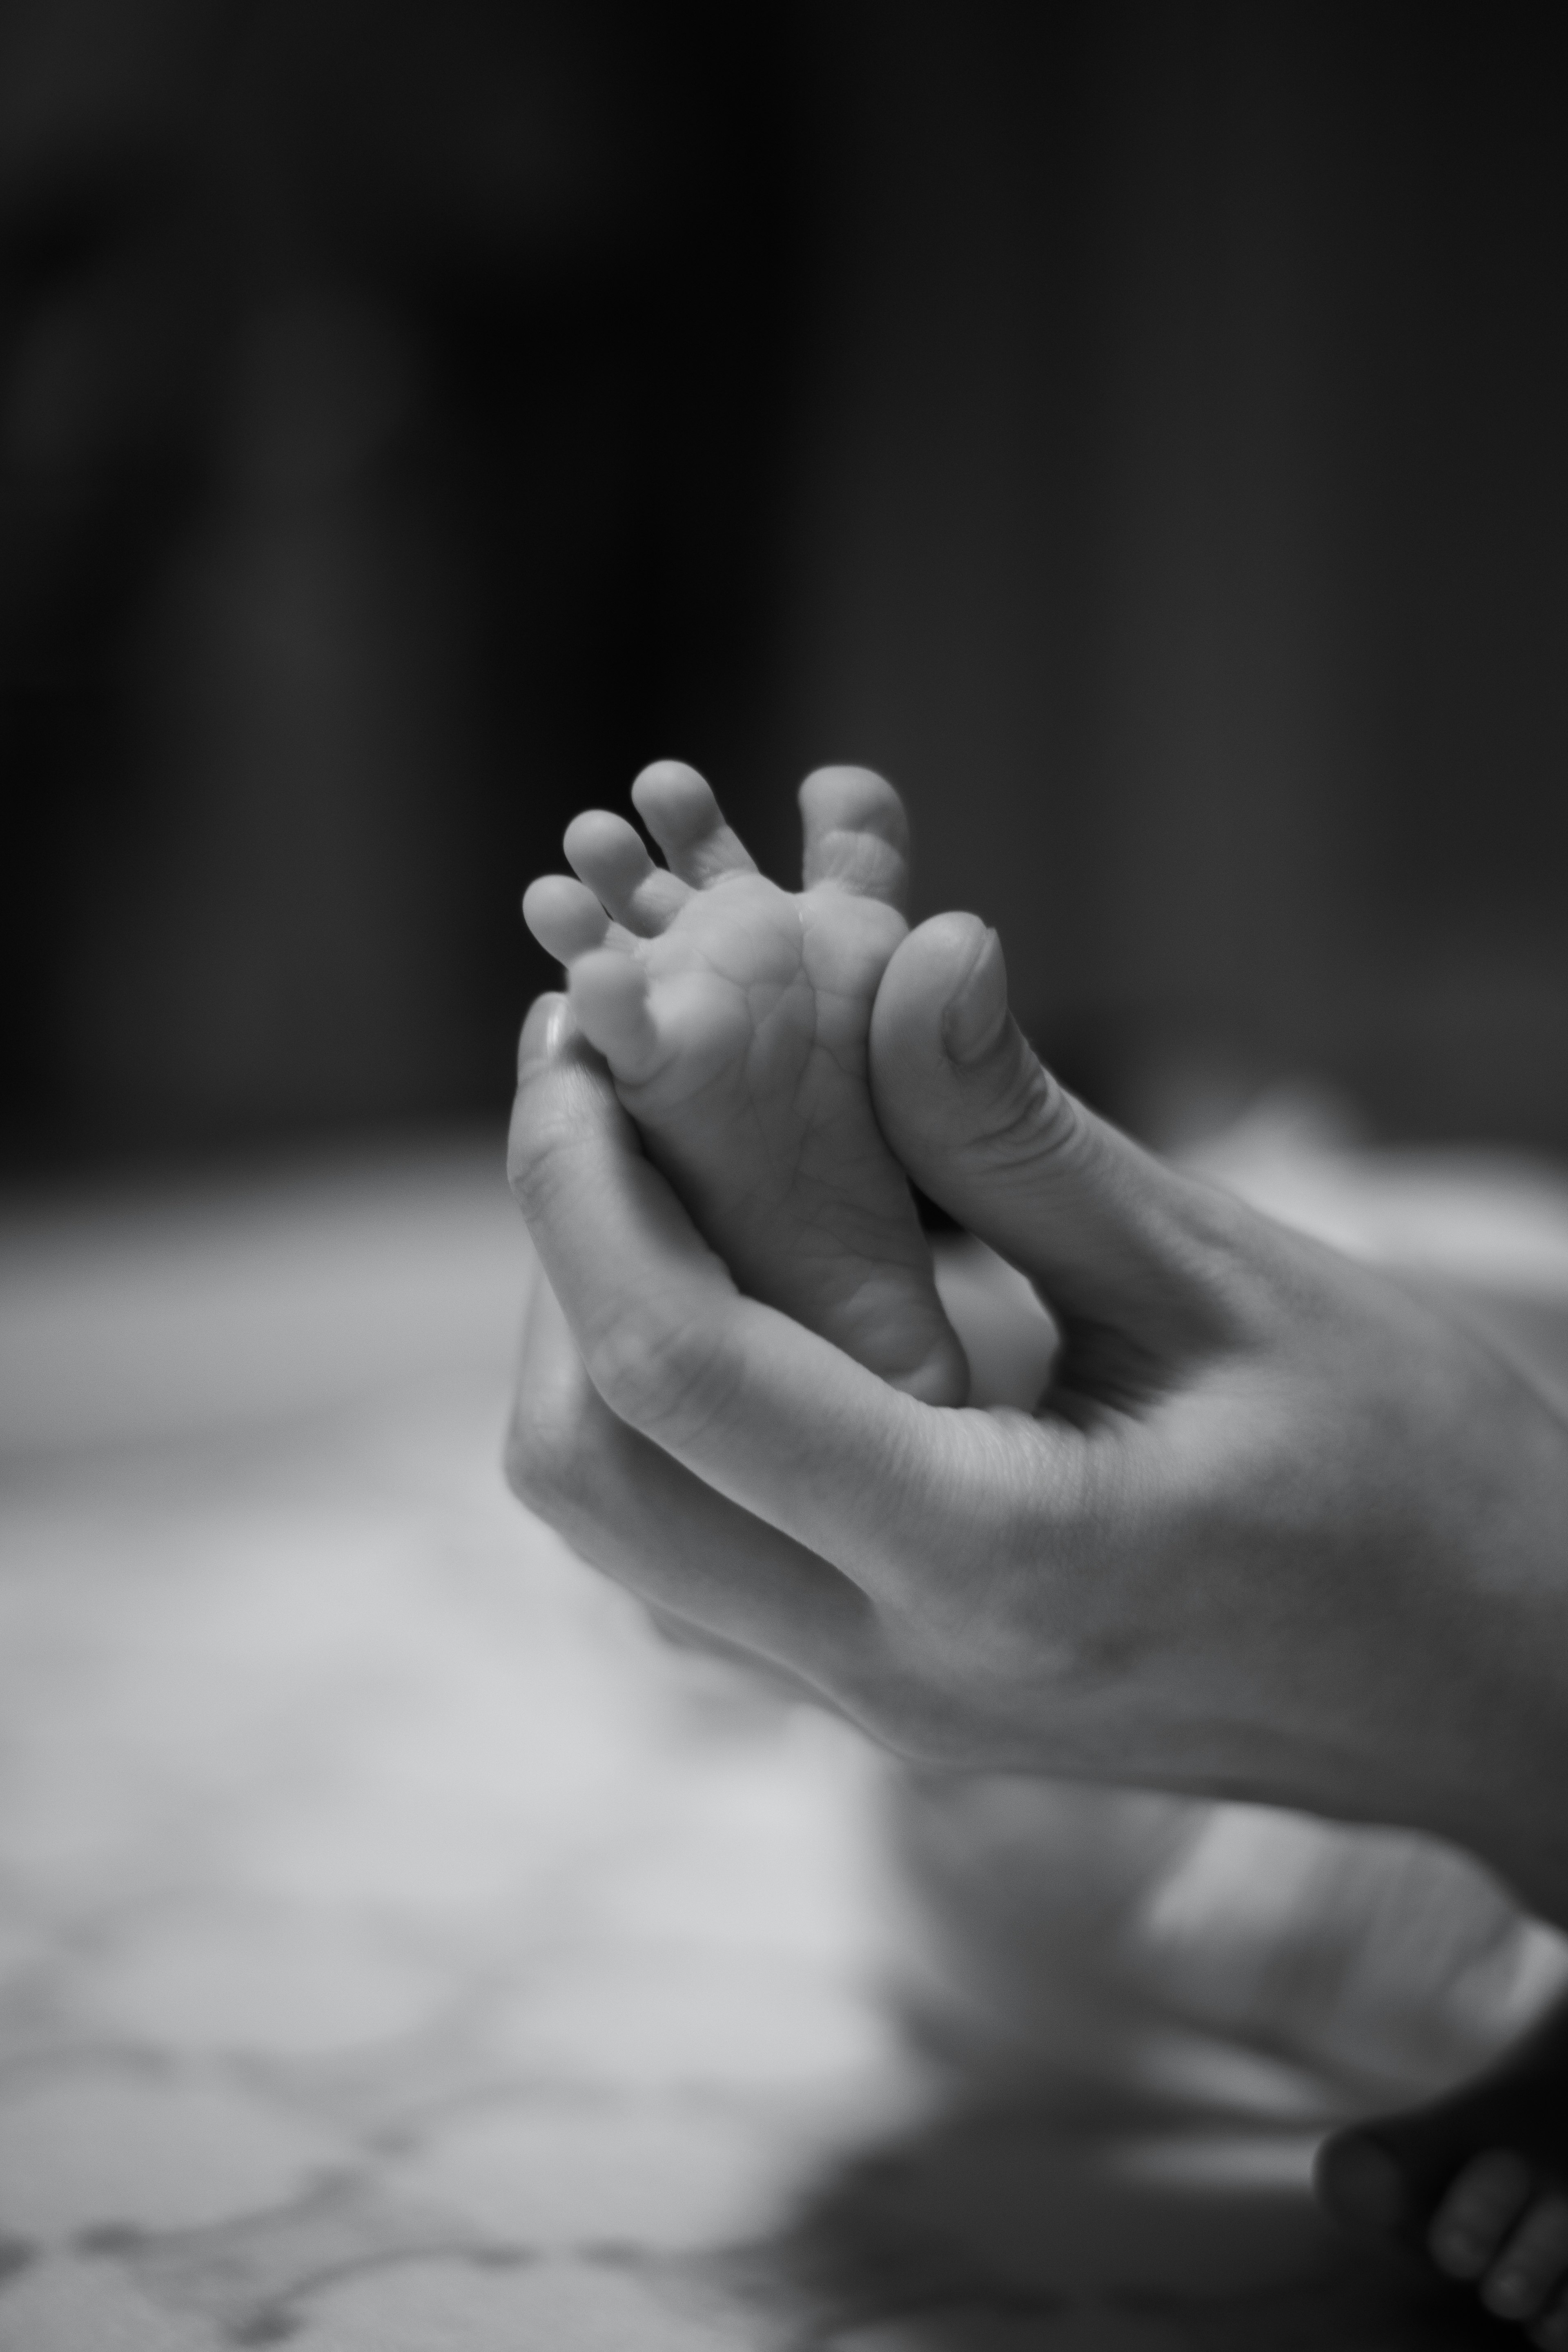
(783, 1176)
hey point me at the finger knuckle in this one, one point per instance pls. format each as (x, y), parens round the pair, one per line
(551, 1459)
(1033, 1117)
(663, 1371)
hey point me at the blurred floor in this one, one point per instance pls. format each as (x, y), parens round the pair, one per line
(398, 1948)
(396, 1945)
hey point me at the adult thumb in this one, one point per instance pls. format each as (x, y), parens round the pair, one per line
(1114, 1239)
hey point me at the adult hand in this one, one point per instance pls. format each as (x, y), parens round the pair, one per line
(1277, 1530)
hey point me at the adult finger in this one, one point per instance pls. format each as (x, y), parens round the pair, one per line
(639, 1517)
(1112, 1236)
(776, 1418)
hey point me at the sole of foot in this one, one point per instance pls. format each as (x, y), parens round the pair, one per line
(734, 1017)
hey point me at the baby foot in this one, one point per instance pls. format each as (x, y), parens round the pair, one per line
(734, 1017)
(1478, 2180)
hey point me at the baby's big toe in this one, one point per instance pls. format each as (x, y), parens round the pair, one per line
(856, 834)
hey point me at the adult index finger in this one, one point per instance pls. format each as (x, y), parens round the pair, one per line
(636, 1515)
(759, 1409)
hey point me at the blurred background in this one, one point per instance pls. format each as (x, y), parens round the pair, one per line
(1136, 428)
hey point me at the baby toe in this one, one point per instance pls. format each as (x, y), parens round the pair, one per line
(1530, 2266)
(1479, 2207)
(610, 857)
(856, 834)
(564, 917)
(679, 810)
(609, 998)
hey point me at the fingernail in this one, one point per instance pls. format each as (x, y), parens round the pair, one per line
(977, 1008)
(542, 1031)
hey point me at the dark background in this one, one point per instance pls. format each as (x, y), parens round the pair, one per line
(1138, 428)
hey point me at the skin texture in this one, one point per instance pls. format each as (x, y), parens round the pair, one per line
(1280, 1530)
(734, 1018)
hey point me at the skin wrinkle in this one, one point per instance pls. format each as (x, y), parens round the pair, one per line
(652, 1371)
(1239, 1754)
(789, 1150)
(1016, 1123)
(812, 1075)
(821, 1640)
(813, 1142)
(615, 1450)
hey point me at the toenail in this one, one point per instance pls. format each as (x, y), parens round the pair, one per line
(974, 1013)
(545, 1031)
